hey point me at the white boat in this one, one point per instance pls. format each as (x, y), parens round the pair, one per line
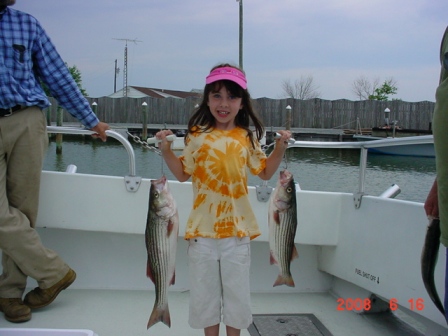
(356, 251)
(407, 149)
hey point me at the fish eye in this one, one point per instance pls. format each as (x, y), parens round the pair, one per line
(289, 189)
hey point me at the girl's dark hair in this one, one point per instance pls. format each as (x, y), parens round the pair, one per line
(203, 117)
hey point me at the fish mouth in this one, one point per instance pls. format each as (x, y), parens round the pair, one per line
(285, 177)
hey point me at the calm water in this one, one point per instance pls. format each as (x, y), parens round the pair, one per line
(313, 169)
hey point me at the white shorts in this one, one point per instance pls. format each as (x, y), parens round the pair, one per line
(219, 277)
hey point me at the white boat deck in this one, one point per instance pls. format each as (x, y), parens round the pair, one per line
(126, 313)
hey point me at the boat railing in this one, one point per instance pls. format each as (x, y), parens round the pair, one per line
(132, 181)
(363, 146)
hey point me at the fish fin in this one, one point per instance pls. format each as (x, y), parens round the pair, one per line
(277, 217)
(170, 228)
(149, 273)
(284, 280)
(159, 315)
(295, 253)
(272, 259)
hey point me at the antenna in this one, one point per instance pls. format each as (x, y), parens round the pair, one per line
(125, 68)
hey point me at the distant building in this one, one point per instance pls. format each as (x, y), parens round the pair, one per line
(141, 92)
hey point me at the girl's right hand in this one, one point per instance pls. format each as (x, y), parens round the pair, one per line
(164, 144)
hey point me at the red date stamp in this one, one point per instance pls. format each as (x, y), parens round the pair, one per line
(413, 304)
(354, 304)
(358, 304)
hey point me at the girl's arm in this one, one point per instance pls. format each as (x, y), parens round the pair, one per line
(172, 161)
(276, 156)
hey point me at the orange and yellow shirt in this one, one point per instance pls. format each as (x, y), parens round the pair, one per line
(218, 162)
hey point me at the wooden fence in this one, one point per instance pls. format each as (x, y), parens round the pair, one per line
(313, 113)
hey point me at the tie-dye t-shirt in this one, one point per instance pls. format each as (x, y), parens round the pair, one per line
(218, 162)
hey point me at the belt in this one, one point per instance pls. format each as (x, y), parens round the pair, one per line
(10, 111)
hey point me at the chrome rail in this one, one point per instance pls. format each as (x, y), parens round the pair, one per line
(132, 181)
(363, 146)
(411, 140)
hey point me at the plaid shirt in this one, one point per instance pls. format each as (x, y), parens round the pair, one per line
(26, 56)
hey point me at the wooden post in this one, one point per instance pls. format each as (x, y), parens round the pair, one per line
(59, 118)
(48, 116)
(288, 118)
(144, 121)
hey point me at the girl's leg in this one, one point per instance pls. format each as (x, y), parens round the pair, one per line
(205, 284)
(232, 331)
(235, 273)
(212, 331)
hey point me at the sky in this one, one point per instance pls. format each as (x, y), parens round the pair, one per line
(333, 41)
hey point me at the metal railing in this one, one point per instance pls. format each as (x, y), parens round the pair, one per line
(81, 131)
(132, 182)
(364, 146)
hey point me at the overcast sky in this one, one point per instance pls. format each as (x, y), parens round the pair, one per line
(334, 41)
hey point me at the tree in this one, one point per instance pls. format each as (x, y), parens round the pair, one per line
(382, 93)
(363, 88)
(303, 88)
(76, 74)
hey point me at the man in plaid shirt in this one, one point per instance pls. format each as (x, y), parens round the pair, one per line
(27, 57)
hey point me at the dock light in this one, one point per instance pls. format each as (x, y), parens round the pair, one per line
(94, 107)
(145, 120)
(386, 116)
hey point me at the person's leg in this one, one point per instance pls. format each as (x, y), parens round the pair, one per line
(235, 274)
(205, 284)
(232, 331)
(17, 238)
(24, 142)
(212, 331)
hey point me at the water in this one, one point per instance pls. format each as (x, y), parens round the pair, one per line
(314, 169)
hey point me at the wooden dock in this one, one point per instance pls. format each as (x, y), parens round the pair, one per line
(306, 134)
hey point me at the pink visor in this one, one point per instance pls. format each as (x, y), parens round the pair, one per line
(228, 73)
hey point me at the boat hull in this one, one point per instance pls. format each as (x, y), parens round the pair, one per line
(422, 150)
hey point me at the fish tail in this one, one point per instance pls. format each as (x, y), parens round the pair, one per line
(284, 280)
(159, 315)
(429, 257)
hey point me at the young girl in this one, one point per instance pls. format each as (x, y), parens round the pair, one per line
(219, 147)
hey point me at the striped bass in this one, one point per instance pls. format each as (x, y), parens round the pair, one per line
(430, 253)
(282, 227)
(162, 229)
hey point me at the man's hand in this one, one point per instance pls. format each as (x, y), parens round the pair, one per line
(100, 130)
(432, 202)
